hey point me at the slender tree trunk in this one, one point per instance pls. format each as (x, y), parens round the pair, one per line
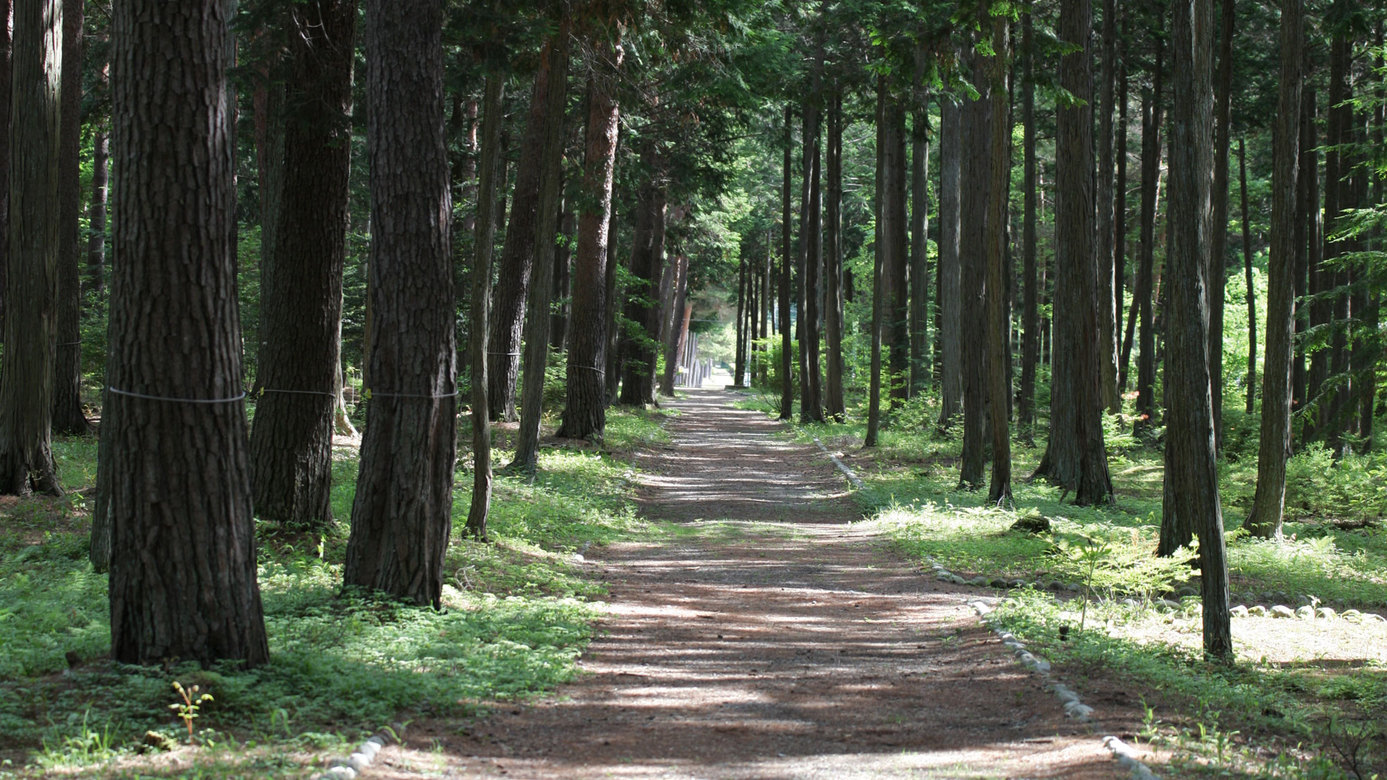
(1145, 287)
(919, 237)
(1191, 474)
(485, 227)
(402, 515)
(1307, 214)
(1030, 314)
(880, 252)
(613, 289)
(96, 233)
(68, 416)
(301, 279)
(1251, 291)
(977, 133)
(894, 236)
(1339, 133)
(1075, 458)
(739, 359)
(834, 404)
(183, 567)
(6, 25)
(563, 278)
(811, 407)
(585, 414)
(679, 323)
(787, 392)
(1120, 217)
(1269, 501)
(995, 241)
(951, 293)
(642, 297)
(31, 324)
(519, 251)
(1218, 262)
(1104, 239)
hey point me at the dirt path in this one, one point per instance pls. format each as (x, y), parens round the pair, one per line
(771, 639)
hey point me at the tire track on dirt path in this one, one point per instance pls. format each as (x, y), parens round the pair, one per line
(770, 637)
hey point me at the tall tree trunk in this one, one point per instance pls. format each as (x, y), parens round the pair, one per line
(895, 231)
(585, 415)
(834, 404)
(880, 275)
(1191, 473)
(1104, 239)
(643, 297)
(811, 408)
(613, 289)
(403, 510)
(1251, 291)
(562, 278)
(519, 251)
(1120, 217)
(951, 293)
(1145, 287)
(68, 416)
(6, 25)
(1269, 501)
(31, 322)
(994, 249)
(183, 573)
(919, 237)
(96, 220)
(977, 133)
(1075, 458)
(1339, 133)
(1030, 314)
(1307, 221)
(489, 166)
(1218, 263)
(743, 293)
(679, 322)
(301, 279)
(787, 392)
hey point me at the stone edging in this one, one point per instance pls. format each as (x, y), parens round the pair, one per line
(352, 766)
(847, 472)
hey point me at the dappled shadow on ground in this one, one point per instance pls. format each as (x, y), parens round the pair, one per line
(768, 637)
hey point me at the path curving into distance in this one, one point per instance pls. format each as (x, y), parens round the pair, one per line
(770, 637)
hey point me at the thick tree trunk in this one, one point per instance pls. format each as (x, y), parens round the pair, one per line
(68, 416)
(31, 322)
(1145, 287)
(489, 165)
(1030, 314)
(787, 358)
(402, 515)
(585, 415)
(977, 135)
(1075, 458)
(919, 241)
(1120, 218)
(175, 479)
(835, 406)
(613, 288)
(6, 25)
(896, 233)
(951, 293)
(1269, 501)
(1191, 473)
(1104, 239)
(994, 249)
(1307, 236)
(301, 279)
(642, 297)
(518, 254)
(679, 323)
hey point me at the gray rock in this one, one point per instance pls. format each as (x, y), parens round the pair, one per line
(1130, 603)
(340, 773)
(1282, 611)
(1078, 711)
(1326, 613)
(1373, 617)
(1073, 587)
(979, 580)
(1257, 610)
(1054, 585)
(1352, 616)
(1171, 605)
(1238, 611)
(359, 761)
(1186, 591)
(957, 580)
(1305, 613)
(1018, 583)
(943, 575)
(998, 582)
(1032, 524)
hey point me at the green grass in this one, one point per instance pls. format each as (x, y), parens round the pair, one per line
(517, 613)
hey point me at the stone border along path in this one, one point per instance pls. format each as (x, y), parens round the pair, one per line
(771, 636)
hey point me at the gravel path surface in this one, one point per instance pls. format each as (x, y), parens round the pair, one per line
(771, 638)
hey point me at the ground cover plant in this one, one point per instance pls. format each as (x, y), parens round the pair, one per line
(1307, 695)
(517, 613)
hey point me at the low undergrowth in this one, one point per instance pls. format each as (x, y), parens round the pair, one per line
(1305, 699)
(516, 614)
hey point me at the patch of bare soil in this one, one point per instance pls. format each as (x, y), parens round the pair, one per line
(771, 638)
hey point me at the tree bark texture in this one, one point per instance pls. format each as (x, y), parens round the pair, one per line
(1218, 257)
(485, 227)
(895, 234)
(1190, 471)
(585, 414)
(1251, 294)
(977, 133)
(880, 261)
(96, 220)
(835, 406)
(995, 249)
(950, 279)
(679, 319)
(1269, 501)
(402, 515)
(642, 296)
(919, 249)
(174, 471)
(31, 322)
(6, 27)
(811, 406)
(68, 416)
(301, 279)
(1307, 237)
(1145, 287)
(1075, 458)
(518, 253)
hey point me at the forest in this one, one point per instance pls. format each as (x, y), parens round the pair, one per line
(353, 325)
